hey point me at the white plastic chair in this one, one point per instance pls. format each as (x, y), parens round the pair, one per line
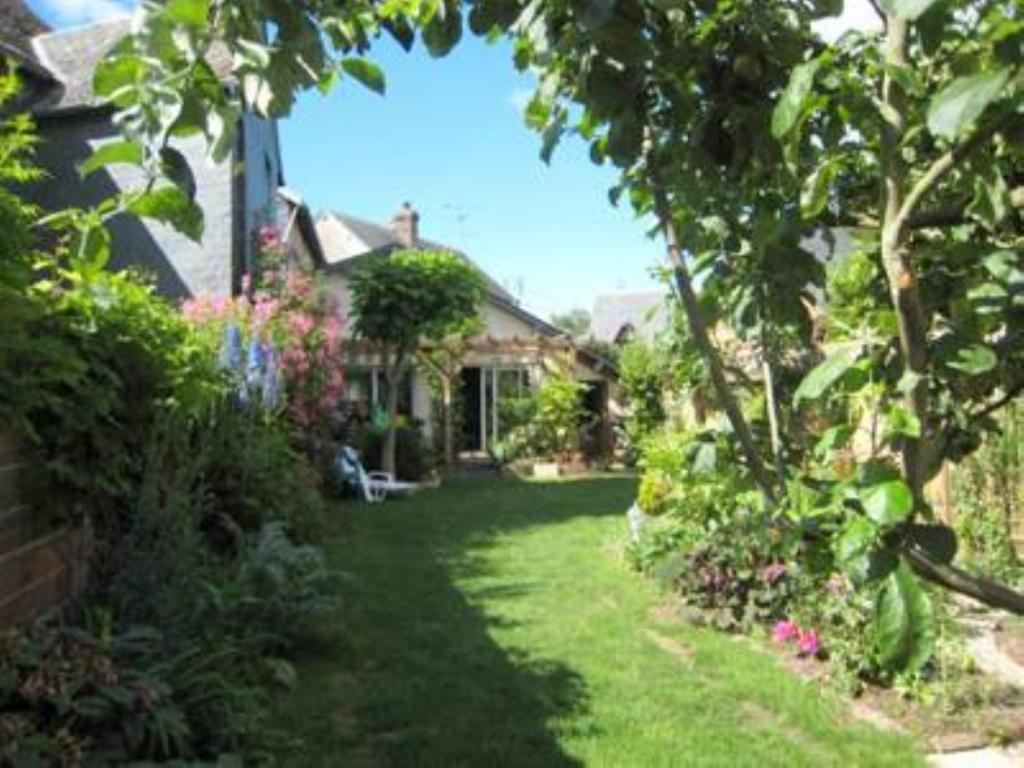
(374, 487)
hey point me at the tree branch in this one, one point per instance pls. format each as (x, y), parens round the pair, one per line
(999, 402)
(956, 213)
(990, 593)
(943, 165)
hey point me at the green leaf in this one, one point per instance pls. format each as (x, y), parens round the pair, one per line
(114, 73)
(904, 623)
(962, 102)
(974, 360)
(827, 373)
(887, 503)
(173, 207)
(790, 108)
(123, 152)
(92, 248)
(938, 541)
(176, 169)
(192, 13)
(366, 72)
(814, 193)
(906, 9)
(899, 422)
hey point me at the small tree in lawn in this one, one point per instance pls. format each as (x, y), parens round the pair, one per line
(410, 296)
(443, 361)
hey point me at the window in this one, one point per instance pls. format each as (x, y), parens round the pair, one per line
(366, 387)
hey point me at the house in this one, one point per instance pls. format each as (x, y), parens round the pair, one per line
(618, 318)
(514, 351)
(237, 196)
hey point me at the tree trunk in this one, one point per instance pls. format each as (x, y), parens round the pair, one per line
(896, 258)
(394, 374)
(446, 416)
(723, 392)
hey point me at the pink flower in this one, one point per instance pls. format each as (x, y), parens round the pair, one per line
(247, 284)
(786, 631)
(270, 238)
(301, 323)
(299, 285)
(265, 309)
(809, 643)
(773, 572)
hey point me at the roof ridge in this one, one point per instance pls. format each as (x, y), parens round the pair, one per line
(78, 28)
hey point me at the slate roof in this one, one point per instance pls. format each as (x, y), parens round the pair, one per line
(645, 313)
(72, 55)
(381, 240)
(18, 25)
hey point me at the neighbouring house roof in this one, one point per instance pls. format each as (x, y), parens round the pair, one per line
(18, 26)
(304, 221)
(620, 315)
(72, 55)
(381, 240)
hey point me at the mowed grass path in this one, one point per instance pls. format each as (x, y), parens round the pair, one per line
(491, 623)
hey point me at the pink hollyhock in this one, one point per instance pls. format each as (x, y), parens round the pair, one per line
(195, 310)
(301, 323)
(265, 309)
(246, 284)
(786, 631)
(809, 643)
(223, 307)
(270, 238)
(300, 285)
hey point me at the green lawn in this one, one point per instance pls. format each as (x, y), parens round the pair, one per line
(491, 623)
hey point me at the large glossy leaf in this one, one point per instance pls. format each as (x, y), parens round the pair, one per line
(366, 72)
(974, 360)
(904, 623)
(887, 503)
(790, 108)
(906, 9)
(816, 187)
(124, 152)
(827, 373)
(173, 207)
(963, 101)
(176, 168)
(193, 13)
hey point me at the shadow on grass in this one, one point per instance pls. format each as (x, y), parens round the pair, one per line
(409, 675)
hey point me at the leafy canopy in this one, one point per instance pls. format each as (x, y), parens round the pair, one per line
(411, 295)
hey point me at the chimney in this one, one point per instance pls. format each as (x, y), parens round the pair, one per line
(405, 226)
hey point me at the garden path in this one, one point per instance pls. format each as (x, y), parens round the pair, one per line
(492, 623)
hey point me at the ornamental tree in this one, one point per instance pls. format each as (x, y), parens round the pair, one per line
(405, 298)
(741, 132)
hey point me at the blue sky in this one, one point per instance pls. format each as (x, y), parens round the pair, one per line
(449, 138)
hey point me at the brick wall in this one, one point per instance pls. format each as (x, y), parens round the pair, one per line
(40, 567)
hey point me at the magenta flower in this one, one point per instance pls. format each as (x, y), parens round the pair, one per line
(786, 631)
(809, 643)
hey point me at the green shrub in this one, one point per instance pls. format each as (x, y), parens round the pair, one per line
(66, 694)
(644, 375)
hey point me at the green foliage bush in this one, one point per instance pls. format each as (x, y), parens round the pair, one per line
(197, 585)
(414, 459)
(643, 376)
(548, 420)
